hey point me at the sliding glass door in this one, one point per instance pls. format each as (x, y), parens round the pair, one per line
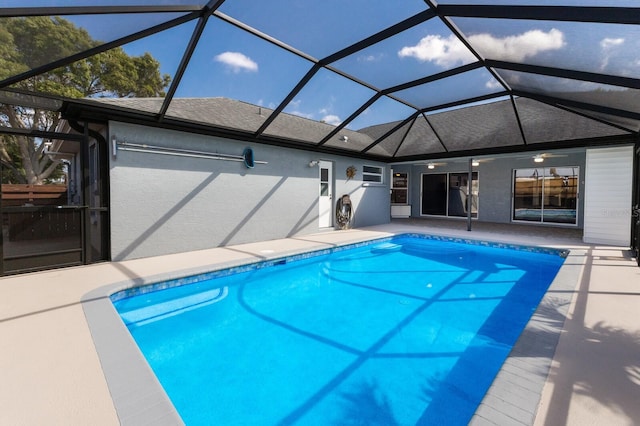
(446, 194)
(546, 194)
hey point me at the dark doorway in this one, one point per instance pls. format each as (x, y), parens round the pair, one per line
(434, 194)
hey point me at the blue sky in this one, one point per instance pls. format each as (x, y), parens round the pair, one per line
(231, 63)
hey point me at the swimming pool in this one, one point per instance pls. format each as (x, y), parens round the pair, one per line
(396, 331)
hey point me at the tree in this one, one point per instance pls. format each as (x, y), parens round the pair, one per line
(30, 42)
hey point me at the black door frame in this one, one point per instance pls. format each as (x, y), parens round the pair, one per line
(635, 210)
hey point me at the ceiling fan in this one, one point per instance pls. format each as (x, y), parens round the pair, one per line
(476, 161)
(434, 164)
(539, 158)
(431, 164)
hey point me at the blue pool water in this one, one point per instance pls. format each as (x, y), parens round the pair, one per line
(403, 331)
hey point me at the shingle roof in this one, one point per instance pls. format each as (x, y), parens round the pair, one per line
(491, 125)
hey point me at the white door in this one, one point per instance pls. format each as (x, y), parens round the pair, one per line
(326, 195)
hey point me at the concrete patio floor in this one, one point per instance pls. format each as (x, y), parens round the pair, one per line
(51, 372)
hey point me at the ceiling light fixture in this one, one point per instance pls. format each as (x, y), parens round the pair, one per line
(431, 166)
(538, 158)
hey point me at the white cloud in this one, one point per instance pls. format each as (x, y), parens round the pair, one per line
(237, 62)
(371, 58)
(270, 105)
(332, 119)
(295, 103)
(445, 52)
(608, 43)
(450, 51)
(519, 47)
(325, 113)
(608, 47)
(301, 114)
(493, 84)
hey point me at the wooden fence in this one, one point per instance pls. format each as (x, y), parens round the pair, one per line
(36, 195)
(33, 212)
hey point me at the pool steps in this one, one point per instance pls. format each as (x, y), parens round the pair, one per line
(158, 311)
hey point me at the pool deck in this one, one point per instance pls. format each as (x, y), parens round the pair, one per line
(587, 330)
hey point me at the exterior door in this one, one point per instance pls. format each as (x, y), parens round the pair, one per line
(58, 217)
(325, 202)
(43, 215)
(434, 194)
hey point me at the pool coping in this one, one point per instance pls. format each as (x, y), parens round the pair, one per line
(513, 397)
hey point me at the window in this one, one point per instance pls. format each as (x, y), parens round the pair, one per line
(399, 188)
(372, 174)
(324, 182)
(546, 194)
(446, 194)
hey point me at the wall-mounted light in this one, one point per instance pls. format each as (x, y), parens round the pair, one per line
(475, 163)
(313, 163)
(344, 139)
(114, 146)
(431, 166)
(538, 158)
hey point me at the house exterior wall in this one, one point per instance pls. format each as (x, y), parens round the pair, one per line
(163, 204)
(495, 182)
